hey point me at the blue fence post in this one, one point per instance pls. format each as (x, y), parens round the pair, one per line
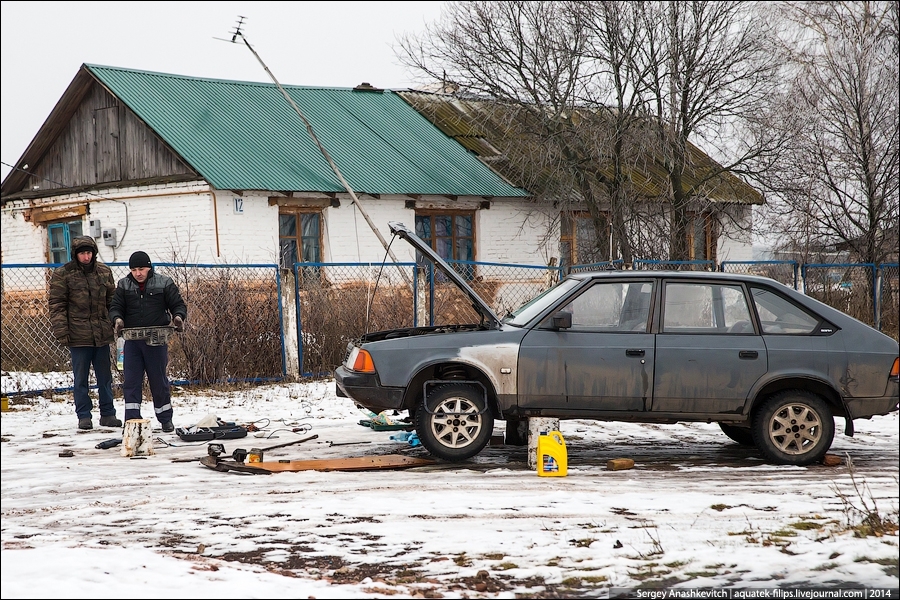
(875, 294)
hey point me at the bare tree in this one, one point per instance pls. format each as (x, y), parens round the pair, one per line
(550, 75)
(600, 91)
(837, 185)
(714, 69)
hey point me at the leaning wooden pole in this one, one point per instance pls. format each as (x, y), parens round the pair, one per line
(324, 152)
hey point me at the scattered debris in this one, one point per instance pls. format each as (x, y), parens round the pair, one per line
(359, 463)
(619, 464)
(66, 454)
(331, 443)
(108, 444)
(831, 460)
(376, 426)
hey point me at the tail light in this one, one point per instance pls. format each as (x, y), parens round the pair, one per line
(895, 370)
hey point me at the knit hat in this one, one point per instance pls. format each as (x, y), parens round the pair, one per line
(83, 248)
(139, 259)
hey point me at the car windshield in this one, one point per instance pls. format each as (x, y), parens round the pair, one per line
(528, 311)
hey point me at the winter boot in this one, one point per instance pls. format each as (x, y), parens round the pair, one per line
(110, 421)
(85, 424)
(168, 427)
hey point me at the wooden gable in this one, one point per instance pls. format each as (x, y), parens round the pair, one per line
(93, 139)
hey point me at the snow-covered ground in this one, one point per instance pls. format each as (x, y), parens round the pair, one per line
(696, 511)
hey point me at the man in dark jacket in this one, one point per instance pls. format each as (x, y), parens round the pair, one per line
(80, 295)
(146, 299)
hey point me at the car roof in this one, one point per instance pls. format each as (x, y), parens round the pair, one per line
(713, 275)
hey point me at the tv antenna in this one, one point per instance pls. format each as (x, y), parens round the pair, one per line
(237, 36)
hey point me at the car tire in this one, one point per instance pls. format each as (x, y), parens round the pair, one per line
(741, 435)
(453, 423)
(794, 427)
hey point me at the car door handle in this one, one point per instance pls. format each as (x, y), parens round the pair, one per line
(634, 353)
(748, 354)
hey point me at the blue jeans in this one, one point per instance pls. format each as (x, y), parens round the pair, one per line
(83, 357)
(141, 358)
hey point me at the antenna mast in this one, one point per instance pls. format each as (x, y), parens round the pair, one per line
(238, 33)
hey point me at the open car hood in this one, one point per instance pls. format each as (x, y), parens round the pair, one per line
(401, 230)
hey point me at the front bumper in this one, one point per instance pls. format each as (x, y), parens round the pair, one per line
(364, 389)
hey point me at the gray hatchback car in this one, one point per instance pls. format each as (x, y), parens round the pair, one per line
(771, 366)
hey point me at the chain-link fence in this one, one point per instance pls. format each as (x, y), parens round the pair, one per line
(338, 302)
(783, 271)
(849, 288)
(675, 265)
(244, 320)
(233, 330)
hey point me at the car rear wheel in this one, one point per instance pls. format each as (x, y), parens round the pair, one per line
(741, 435)
(794, 428)
(453, 422)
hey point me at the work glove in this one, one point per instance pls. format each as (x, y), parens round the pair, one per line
(178, 322)
(119, 326)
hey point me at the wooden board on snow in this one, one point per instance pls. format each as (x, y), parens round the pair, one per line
(359, 463)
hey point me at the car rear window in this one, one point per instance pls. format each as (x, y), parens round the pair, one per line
(779, 315)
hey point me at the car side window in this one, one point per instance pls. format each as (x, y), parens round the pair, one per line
(705, 308)
(612, 307)
(779, 315)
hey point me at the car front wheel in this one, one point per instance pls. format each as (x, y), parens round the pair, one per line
(794, 428)
(453, 422)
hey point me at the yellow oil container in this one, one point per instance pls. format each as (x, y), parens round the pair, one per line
(552, 459)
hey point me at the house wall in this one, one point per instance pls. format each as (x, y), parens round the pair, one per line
(508, 232)
(348, 237)
(194, 223)
(735, 242)
(250, 236)
(172, 223)
(21, 241)
(516, 233)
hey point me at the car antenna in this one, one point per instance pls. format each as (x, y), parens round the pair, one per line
(238, 34)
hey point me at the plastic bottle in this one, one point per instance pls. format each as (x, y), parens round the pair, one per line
(120, 353)
(552, 459)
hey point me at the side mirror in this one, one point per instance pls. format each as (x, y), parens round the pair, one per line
(561, 320)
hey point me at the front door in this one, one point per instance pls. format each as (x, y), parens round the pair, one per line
(603, 362)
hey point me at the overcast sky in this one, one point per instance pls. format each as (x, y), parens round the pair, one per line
(337, 44)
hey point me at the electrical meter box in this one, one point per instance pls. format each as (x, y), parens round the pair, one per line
(109, 237)
(94, 228)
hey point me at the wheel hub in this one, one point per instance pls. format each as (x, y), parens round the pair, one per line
(795, 429)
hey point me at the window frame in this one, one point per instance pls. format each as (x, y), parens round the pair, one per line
(298, 238)
(569, 242)
(68, 235)
(708, 222)
(454, 238)
(720, 321)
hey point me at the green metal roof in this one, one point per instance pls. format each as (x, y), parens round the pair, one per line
(245, 136)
